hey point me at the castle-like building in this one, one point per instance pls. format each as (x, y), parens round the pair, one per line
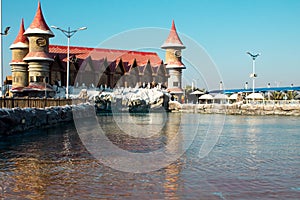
(36, 65)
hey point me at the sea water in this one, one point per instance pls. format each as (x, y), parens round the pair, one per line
(223, 157)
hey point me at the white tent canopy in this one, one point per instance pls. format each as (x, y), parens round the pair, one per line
(206, 97)
(221, 96)
(255, 96)
(234, 96)
(197, 92)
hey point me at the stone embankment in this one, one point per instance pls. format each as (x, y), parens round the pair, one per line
(238, 109)
(18, 120)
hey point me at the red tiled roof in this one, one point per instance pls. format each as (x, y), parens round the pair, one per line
(33, 87)
(111, 55)
(21, 41)
(39, 24)
(17, 89)
(38, 87)
(175, 64)
(173, 39)
(37, 55)
(175, 90)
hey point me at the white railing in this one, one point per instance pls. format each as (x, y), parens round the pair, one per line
(272, 102)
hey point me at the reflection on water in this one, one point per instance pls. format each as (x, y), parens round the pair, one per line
(255, 158)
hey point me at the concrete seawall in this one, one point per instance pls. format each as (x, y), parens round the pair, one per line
(239, 109)
(17, 120)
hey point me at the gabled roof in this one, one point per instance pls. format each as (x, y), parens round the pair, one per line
(21, 41)
(173, 39)
(39, 25)
(111, 55)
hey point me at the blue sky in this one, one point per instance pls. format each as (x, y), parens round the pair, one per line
(225, 29)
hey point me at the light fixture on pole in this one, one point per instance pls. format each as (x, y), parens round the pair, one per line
(1, 56)
(221, 86)
(69, 33)
(269, 86)
(194, 84)
(253, 75)
(1, 59)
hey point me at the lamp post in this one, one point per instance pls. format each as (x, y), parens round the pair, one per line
(69, 33)
(253, 75)
(1, 59)
(194, 84)
(221, 86)
(246, 86)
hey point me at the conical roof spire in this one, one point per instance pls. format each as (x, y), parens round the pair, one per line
(21, 41)
(38, 25)
(173, 39)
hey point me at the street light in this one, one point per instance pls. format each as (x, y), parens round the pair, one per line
(221, 85)
(253, 75)
(1, 56)
(69, 33)
(269, 85)
(194, 84)
(1, 59)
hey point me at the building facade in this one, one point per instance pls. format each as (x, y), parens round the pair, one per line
(37, 65)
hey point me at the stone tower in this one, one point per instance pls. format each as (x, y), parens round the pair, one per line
(38, 58)
(173, 47)
(19, 68)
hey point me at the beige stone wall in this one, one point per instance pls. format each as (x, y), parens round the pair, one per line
(19, 54)
(38, 71)
(19, 69)
(35, 43)
(19, 78)
(170, 55)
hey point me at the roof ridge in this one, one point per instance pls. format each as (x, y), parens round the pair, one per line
(103, 49)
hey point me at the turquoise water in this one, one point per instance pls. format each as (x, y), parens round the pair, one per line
(253, 157)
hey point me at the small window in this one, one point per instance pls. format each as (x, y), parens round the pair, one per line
(31, 78)
(40, 79)
(175, 84)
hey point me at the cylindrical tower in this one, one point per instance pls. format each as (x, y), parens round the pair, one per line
(38, 58)
(173, 46)
(19, 68)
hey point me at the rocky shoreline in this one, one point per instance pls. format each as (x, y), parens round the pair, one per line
(238, 109)
(18, 120)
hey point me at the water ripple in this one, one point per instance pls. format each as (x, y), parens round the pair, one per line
(254, 158)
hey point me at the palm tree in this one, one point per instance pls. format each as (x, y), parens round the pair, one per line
(276, 95)
(291, 95)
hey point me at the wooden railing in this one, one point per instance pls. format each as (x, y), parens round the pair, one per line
(37, 102)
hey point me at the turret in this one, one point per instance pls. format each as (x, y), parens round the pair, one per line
(173, 46)
(19, 68)
(38, 58)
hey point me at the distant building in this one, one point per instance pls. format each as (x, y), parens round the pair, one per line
(37, 66)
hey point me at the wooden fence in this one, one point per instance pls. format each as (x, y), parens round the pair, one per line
(37, 102)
